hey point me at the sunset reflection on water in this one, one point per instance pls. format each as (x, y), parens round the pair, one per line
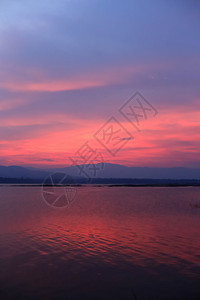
(111, 243)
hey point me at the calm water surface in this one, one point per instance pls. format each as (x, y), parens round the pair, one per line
(111, 243)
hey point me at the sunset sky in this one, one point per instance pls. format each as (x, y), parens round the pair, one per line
(68, 66)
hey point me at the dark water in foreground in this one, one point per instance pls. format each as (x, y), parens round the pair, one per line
(111, 243)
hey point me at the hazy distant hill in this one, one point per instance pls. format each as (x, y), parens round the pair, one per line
(120, 171)
(109, 171)
(21, 172)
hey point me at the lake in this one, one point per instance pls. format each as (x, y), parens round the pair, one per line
(109, 243)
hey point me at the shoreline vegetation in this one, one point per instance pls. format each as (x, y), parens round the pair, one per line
(100, 182)
(93, 185)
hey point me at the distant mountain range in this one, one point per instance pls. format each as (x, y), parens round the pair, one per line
(21, 172)
(109, 171)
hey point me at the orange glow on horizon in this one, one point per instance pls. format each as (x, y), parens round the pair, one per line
(159, 143)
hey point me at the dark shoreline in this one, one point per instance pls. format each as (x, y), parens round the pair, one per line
(109, 182)
(101, 185)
